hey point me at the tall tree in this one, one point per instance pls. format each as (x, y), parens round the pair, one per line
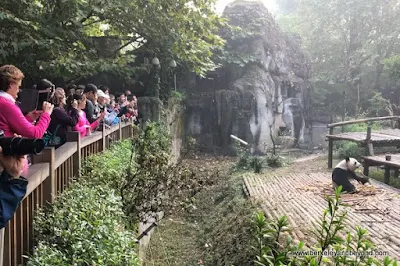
(346, 38)
(65, 38)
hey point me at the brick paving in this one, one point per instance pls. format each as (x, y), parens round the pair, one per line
(301, 198)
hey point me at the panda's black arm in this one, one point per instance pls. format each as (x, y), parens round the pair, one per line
(360, 179)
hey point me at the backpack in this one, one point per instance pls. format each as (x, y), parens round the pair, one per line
(52, 139)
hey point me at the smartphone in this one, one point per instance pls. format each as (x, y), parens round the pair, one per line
(44, 96)
(27, 100)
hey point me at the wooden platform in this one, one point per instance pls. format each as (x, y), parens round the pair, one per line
(380, 138)
(378, 160)
(301, 197)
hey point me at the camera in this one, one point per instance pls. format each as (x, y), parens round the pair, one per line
(20, 146)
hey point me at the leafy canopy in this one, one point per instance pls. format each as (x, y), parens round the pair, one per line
(84, 37)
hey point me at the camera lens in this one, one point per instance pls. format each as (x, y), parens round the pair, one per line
(22, 146)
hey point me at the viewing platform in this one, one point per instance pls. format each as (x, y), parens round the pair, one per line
(49, 175)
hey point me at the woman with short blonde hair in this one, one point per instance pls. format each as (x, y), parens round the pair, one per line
(12, 121)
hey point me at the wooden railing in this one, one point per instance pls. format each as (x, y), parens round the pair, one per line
(352, 122)
(49, 175)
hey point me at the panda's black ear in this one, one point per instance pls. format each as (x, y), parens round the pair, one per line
(347, 159)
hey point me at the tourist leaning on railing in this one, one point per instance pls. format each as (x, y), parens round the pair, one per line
(110, 117)
(12, 121)
(61, 120)
(91, 109)
(84, 127)
(12, 186)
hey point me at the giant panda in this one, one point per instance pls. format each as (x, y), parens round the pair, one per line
(344, 171)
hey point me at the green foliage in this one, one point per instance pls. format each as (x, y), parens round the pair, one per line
(392, 65)
(256, 164)
(274, 161)
(348, 41)
(85, 226)
(152, 183)
(109, 167)
(178, 95)
(350, 149)
(274, 249)
(228, 234)
(239, 34)
(246, 160)
(378, 106)
(66, 38)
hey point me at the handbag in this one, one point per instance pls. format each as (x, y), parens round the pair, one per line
(51, 139)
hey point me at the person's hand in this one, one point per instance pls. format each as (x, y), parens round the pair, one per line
(34, 114)
(48, 107)
(13, 165)
(87, 126)
(101, 117)
(74, 104)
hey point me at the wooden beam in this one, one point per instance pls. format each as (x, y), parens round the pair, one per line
(363, 121)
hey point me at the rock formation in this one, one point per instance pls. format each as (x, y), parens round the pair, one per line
(259, 90)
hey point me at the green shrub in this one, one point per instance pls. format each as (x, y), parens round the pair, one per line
(274, 161)
(256, 164)
(85, 226)
(350, 149)
(273, 249)
(109, 167)
(244, 156)
(154, 181)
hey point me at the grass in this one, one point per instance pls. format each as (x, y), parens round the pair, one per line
(174, 243)
(380, 176)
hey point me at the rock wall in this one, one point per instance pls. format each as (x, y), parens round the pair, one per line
(151, 110)
(259, 89)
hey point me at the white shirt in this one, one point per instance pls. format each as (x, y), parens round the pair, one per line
(7, 96)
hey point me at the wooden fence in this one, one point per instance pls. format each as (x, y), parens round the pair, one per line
(49, 175)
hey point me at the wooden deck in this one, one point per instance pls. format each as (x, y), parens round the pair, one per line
(382, 137)
(301, 197)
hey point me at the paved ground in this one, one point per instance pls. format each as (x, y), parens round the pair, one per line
(301, 198)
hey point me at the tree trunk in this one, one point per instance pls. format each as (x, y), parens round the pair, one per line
(379, 71)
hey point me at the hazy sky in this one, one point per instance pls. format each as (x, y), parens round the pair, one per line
(270, 4)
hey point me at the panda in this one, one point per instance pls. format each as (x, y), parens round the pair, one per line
(344, 171)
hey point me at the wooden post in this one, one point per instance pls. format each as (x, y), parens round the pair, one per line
(104, 137)
(2, 246)
(368, 141)
(366, 168)
(387, 170)
(120, 130)
(75, 137)
(330, 149)
(49, 184)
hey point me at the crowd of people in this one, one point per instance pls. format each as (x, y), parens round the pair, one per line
(81, 108)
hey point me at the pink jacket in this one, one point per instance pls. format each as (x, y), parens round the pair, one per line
(12, 121)
(83, 122)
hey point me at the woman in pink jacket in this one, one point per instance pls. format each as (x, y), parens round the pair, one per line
(12, 121)
(83, 123)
